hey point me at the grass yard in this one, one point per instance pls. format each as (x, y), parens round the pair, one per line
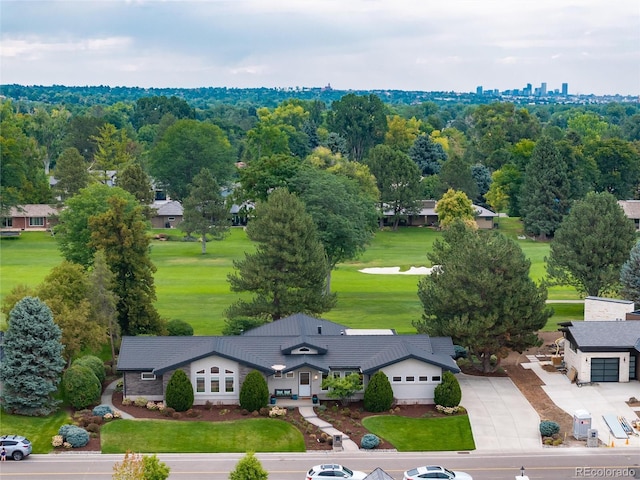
(423, 434)
(194, 288)
(167, 436)
(39, 430)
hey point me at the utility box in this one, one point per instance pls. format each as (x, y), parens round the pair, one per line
(581, 424)
(592, 438)
(337, 443)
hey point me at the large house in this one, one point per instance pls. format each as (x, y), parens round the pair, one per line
(428, 217)
(294, 354)
(30, 217)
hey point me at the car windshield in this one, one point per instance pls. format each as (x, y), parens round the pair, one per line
(346, 470)
(453, 475)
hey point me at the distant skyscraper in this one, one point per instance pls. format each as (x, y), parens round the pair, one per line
(565, 89)
(543, 88)
(479, 90)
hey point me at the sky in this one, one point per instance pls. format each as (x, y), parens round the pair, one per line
(448, 45)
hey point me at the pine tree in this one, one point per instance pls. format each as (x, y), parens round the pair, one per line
(179, 393)
(288, 271)
(205, 211)
(33, 362)
(630, 276)
(481, 295)
(544, 197)
(591, 245)
(249, 468)
(378, 396)
(254, 393)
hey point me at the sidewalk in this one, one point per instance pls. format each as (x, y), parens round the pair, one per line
(106, 399)
(309, 414)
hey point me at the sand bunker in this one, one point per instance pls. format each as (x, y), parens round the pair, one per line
(396, 271)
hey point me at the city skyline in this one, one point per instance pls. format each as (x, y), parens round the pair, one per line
(359, 45)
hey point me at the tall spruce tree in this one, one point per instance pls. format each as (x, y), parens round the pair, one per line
(591, 245)
(481, 295)
(544, 197)
(630, 276)
(205, 210)
(287, 273)
(32, 365)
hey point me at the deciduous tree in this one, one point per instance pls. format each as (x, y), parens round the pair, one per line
(342, 388)
(591, 245)
(454, 206)
(287, 273)
(481, 294)
(249, 468)
(32, 365)
(71, 173)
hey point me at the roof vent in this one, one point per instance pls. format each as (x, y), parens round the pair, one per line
(319, 329)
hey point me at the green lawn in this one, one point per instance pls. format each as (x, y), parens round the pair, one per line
(39, 430)
(193, 287)
(168, 436)
(423, 434)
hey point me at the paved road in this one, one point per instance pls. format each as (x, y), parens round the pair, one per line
(556, 464)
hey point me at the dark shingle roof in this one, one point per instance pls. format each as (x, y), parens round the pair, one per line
(368, 352)
(298, 324)
(378, 474)
(598, 335)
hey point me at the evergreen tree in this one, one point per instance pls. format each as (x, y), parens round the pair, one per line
(482, 295)
(32, 364)
(544, 196)
(448, 393)
(121, 232)
(134, 180)
(287, 272)
(254, 393)
(591, 245)
(71, 173)
(378, 396)
(249, 468)
(205, 211)
(179, 393)
(81, 386)
(630, 276)
(428, 155)
(456, 174)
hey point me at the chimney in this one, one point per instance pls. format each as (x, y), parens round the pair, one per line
(319, 329)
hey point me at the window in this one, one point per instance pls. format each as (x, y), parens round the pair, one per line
(147, 376)
(290, 375)
(215, 385)
(423, 379)
(435, 378)
(409, 379)
(278, 374)
(228, 384)
(324, 377)
(304, 349)
(7, 222)
(397, 379)
(36, 221)
(171, 219)
(199, 384)
(208, 380)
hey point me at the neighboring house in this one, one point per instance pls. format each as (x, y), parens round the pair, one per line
(602, 351)
(294, 354)
(30, 217)
(631, 210)
(428, 216)
(167, 214)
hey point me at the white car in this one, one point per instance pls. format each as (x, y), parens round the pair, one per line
(435, 471)
(332, 470)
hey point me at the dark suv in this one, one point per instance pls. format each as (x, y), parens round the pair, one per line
(16, 446)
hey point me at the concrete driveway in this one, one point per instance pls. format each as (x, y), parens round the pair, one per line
(601, 399)
(501, 418)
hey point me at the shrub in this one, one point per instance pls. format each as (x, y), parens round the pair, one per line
(93, 428)
(459, 352)
(77, 437)
(448, 393)
(81, 386)
(179, 328)
(179, 394)
(168, 412)
(378, 395)
(369, 441)
(254, 393)
(548, 428)
(95, 364)
(140, 402)
(101, 410)
(95, 419)
(64, 429)
(248, 467)
(278, 412)
(57, 440)
(126, 401)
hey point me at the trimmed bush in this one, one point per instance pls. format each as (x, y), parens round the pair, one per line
(64, 429)
(378, 395)
(76, 436)
(179, 328)
(179, 394)
(254, 393)
(95, 364)
(81, 386)
(448, 393)
(101, 410)
(548, 428)
(459, 352)
(369, 441)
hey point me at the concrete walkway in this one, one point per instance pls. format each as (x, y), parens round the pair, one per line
(310, 416)
(106, 399)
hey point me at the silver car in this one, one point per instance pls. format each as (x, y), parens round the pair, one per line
(16, 446)
(435, 471)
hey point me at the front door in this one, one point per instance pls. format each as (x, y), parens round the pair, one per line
(304, 388)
